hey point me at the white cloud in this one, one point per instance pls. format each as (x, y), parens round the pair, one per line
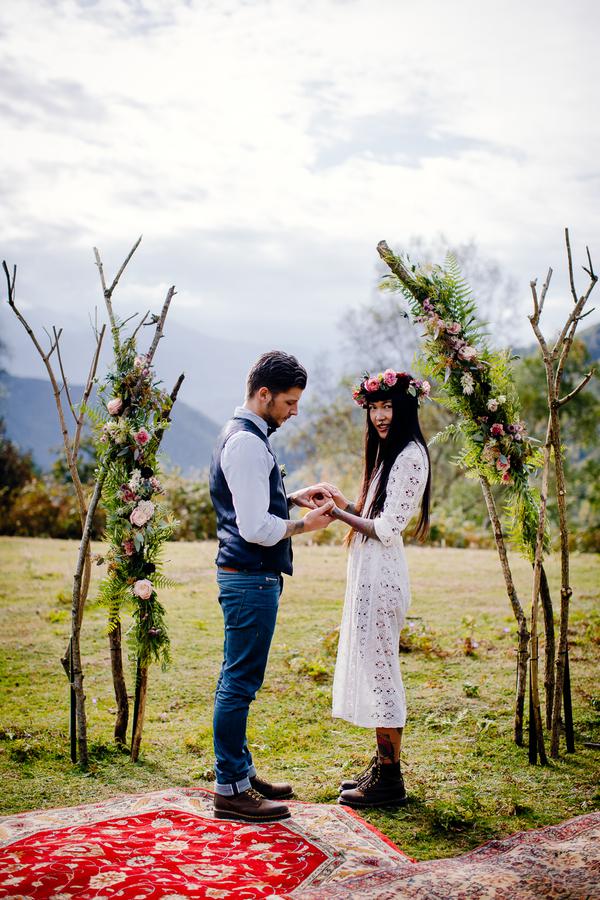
(304, 124)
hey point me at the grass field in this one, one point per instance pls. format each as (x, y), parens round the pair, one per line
(467, 780)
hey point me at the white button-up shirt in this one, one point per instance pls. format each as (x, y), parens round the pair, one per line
(247, 465)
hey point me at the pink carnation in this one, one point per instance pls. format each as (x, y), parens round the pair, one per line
(425, 388)
(503, 464)
(128, 547)
(506, 479)
(390, 377)
(453, 327)
(114, 406)
(372, 384)
(141, 437)
(143, 589)
(497, 429)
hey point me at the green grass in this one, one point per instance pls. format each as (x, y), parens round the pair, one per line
(467, 780)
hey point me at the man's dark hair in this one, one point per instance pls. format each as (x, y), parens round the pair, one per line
(276, 371)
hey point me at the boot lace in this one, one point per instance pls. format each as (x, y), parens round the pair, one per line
(372, 777)
(366, 772)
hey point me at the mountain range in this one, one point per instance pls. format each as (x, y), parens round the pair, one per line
(28, 409)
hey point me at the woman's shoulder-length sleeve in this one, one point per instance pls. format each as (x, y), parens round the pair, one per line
(406, 483)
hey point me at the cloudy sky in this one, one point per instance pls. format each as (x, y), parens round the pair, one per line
(263, 148)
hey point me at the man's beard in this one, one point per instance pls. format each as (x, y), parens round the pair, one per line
(272, 425)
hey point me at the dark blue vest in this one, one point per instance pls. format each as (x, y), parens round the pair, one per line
(234, 551)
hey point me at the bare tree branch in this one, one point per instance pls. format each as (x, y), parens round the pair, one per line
(88, 390)
(545, 289)
(108, 291)
(63, 376)
(589, 271)
(570, 262)
(580, 387)
(142, 322)
(159, 325)
(124, 266)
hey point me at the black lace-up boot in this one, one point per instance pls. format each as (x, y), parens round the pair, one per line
(383, 787)
(349, 783)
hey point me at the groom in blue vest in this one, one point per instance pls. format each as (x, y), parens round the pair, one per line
(255, 548)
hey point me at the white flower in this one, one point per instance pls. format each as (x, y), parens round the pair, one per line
(467, 382)
(501, 399)
(492, 405)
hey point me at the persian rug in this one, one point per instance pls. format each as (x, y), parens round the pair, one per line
(167, 846)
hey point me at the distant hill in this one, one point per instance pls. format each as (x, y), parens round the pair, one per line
(28, 408)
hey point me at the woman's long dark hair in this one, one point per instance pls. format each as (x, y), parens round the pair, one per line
(381, 454)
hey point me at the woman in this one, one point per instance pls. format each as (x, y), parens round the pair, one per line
(367, 688)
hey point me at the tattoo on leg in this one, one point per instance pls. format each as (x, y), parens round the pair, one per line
(385, 747)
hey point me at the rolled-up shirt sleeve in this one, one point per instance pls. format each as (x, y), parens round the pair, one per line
(246, 465)
(405, 487)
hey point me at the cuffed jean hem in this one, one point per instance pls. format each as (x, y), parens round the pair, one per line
(229, 790)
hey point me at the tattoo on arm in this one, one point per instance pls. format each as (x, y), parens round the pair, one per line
(363, 526)
(294, 527)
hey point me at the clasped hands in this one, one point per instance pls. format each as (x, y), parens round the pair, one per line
(322, 499)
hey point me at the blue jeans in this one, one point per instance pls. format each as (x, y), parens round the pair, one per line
(249, 603)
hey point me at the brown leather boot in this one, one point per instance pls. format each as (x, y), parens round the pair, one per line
(272, 791)
(384, 787)
(249, 806)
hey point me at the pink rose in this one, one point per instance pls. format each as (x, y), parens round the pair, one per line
(114, 406)
(497, 429)
(467, 353)
(141, 437)
(142, 513)
(453, 327)
(143, 589)
(390, 377)
(128, 547)
(372, 384)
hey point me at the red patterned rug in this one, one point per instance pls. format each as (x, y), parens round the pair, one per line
(167, 846)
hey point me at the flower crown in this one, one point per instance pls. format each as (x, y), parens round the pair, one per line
(385, 381)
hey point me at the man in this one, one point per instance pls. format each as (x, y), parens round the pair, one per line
(254, 531)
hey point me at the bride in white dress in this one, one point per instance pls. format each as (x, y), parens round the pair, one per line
(367, 688)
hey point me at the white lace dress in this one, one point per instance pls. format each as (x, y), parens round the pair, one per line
(367, 686)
